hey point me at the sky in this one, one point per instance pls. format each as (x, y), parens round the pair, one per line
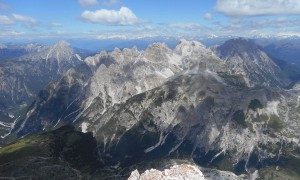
(131, 19)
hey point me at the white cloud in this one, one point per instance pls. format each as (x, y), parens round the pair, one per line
(128, 36)
(16, 18)
(111, 2)
(243, 8)
(208, 16)
(112, 36)
(5, 20)
(88, 3)
(186, 26)
(289, 33)
(111, 17)
(25, 19)
(179, 30)
(275, 23)
(11, 33)
(257, 26)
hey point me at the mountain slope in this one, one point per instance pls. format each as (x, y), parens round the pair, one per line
(286, 49)
(246, 58)
(195, 117)
(23, 77)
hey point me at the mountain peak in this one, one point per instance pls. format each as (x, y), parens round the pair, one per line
(61, 47)
(157, 45)
(157, 51)
(62, 44)
(186, 47)
(243, 56)
(61, 50)
(184, 42)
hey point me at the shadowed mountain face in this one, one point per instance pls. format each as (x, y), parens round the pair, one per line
(229, 112)
(55, 155)
(23, 77)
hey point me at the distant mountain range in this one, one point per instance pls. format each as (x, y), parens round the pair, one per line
(233, 107)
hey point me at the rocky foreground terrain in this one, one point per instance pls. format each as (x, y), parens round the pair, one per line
(187, 172)
(228, 110)
(184, 172)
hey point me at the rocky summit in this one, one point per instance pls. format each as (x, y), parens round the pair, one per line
(228, 111)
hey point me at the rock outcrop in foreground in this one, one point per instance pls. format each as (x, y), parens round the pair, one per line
(177, 172)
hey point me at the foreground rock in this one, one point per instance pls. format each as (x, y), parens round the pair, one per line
(178, 172)
(186, 172)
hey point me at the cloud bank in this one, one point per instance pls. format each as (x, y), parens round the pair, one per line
(16, 18)
(243, 8)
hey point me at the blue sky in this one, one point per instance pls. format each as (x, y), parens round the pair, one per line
(102, 19)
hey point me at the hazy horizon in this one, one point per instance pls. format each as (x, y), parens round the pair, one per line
(33, 20)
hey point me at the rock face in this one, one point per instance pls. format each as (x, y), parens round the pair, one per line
(179, 172)
(24, 76)
(196, 114)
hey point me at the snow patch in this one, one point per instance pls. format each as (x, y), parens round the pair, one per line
(138, 89)
(84, 127)
(272, 107)
(11, 116)
(78, 57)
(214, 75)
(156, 145)
(166, 73)
(175, 59)
(298, 102)
(5, 124)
